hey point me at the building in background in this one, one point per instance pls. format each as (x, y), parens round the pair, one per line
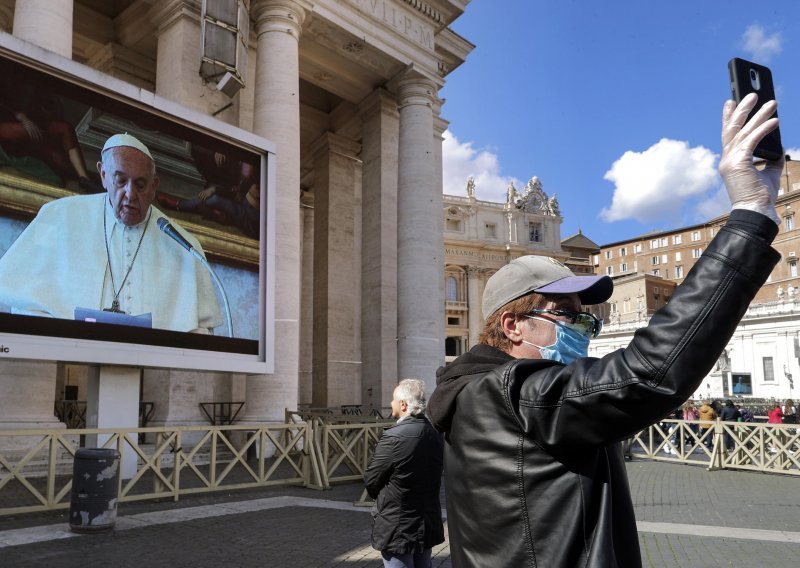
(482, 236)
(763, 357)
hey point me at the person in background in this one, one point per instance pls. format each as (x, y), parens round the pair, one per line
(404, 477)
(707, 415)
(690, 417)
(729, 413)
(789, 412)
(775, 415)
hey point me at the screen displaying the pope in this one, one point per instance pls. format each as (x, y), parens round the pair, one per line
(104, 253)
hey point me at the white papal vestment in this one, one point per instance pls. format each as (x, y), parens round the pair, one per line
(60, 262)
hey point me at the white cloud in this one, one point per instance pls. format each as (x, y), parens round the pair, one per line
(760, 46)
(460, 160)
(659, 183)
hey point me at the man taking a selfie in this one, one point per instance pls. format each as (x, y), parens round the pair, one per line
(534, 470)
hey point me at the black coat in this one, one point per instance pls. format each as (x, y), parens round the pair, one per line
(404, 477)
(534, 471)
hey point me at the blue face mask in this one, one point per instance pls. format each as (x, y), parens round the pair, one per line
(569, 344)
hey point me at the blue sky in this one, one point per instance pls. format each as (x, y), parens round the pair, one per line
(614, 106)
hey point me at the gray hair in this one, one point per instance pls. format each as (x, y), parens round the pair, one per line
(412, 391)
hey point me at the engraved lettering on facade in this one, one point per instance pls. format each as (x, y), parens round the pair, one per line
(384, 11)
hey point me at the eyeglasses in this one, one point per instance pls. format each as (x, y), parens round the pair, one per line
(583, 322)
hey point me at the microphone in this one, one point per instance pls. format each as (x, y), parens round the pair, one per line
(167, 227)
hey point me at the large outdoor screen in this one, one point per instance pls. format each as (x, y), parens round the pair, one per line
(189, 285)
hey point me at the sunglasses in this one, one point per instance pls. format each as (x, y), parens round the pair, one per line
(583, 322)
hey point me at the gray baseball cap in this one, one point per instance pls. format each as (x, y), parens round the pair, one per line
(543, 275)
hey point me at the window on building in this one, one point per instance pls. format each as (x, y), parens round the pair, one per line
(635, 265)
(623, 267)
(664, 259)
(793, 268)
(654, 244)
(789, 222)
(637, 248)
(610, 270)
(453, 225)
(609, 254)
(655, 260)
(711, 232)
(696, 253)
(623, 251)
(677, 256)
(679, 272)
(663, 242)
(695, 235)
(452, 346)
(656, 272)
(656, 292)
(453, 320)
(769, 369)
(452, 289)
(596, 259)
(535, 232)
(490, 230)
(677, 239)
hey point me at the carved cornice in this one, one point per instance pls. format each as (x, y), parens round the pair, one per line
(427, 10)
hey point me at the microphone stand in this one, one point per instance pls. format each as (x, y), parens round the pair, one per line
(170, 231)
(218, 283)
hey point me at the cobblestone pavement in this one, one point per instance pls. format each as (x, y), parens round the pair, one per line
(687, 516)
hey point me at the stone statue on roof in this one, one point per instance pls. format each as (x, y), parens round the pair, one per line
(471, 187)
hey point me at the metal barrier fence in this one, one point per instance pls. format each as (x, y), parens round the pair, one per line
(340, 444)
(183, 460)
(768, 448)
(316, 452)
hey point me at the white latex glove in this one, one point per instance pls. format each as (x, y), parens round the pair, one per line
(749, 188)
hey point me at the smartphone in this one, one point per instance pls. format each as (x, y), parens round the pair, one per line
(748, 77)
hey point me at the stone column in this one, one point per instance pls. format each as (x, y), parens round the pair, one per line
(420, 242)
(380, 131)
(178, 59)
(475, 318)
(277, 117)
(46, 23)
(305, 387)
(337, 366)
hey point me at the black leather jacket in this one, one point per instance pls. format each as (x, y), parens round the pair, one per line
(404, 477)
(534, 475)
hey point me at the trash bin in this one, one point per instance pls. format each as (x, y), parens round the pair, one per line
(95, 483)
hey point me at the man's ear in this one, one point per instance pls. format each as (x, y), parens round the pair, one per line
(510, 325)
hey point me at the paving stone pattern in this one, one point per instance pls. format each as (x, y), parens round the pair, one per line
(308, 536)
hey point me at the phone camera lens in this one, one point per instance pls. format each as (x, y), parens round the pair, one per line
(753, 74)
